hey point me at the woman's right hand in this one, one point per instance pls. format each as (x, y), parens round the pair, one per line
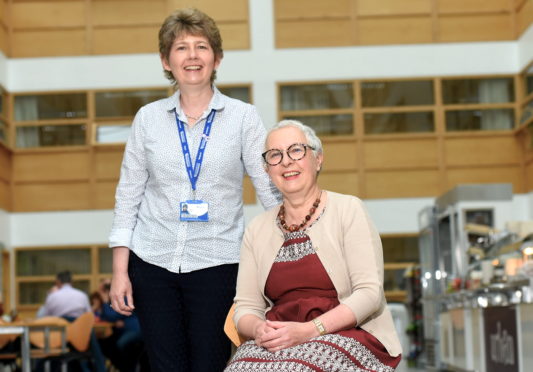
(260, 329)
(121, 293)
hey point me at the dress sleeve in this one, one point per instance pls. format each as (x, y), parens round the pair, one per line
(131, 186)
(364, 259)
(254, 134)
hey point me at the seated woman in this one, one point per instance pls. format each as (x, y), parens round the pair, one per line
(310, 285)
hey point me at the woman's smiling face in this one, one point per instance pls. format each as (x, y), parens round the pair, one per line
(292, 176)
(191, 61)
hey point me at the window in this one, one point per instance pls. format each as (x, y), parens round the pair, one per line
(50, 135)
(36, 269)
(479, 104)
(327, 108)
(50, 106)
(45, 120)
(397, 93)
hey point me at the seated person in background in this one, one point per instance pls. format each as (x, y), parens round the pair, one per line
(124, 346)
(63, 300)
(310, 284)
(67, 302)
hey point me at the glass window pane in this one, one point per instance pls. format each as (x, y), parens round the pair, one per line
(240, 93)
(50, 262)
(400, 248)
(51, 135)
(501, 119)
(498, 90)
(316, 97)
(527, 112)
(112, 133)
(34, 293)
(105, 260)
(529, 81)
(51, 106)
(397, 93)
(328, 124)
(125, 103)
(404, 122)
(394, 280)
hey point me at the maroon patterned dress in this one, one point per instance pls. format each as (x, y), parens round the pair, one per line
(301, 290)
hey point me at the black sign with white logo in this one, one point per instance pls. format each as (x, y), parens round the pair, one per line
(501, 349)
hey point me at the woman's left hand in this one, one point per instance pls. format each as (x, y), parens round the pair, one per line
(286, 334)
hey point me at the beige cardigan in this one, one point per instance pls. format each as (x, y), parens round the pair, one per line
(349, 248)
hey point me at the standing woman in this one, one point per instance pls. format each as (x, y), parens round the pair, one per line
(179, 212)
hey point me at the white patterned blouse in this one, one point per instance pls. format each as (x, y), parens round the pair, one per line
(154, 180)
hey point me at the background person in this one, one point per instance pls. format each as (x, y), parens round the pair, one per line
(65, 301)
(310, 285)
(178, 270)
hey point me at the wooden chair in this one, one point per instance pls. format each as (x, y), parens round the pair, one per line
(78, 335)
(231, 330)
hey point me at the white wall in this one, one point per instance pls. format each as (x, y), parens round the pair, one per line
(59, 228)
(525, 48)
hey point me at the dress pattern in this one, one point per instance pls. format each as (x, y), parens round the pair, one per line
(301, 290)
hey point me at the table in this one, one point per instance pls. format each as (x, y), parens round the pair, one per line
(24, 329)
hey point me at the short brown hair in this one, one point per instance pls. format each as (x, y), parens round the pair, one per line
(189, 21)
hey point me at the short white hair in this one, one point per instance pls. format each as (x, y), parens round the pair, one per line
(309, 133)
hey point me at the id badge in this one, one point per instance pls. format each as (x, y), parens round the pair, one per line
(194, 211)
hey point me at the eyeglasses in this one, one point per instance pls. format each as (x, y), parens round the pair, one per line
(296, 151)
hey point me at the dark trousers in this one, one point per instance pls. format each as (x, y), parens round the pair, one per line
(182, 315)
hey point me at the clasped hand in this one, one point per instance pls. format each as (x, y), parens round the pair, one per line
(275, 335)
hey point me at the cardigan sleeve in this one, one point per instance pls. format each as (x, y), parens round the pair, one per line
(249, 298)
(363, 255)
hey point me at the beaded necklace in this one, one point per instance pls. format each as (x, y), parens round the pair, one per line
(295, 227)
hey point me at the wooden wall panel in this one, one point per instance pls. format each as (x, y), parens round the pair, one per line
(504, 174)
(235, 35)
(4, 43)
(482, 151)
(402, 184)
(338, 32)
(134, 39)
(50, 166)
(397, 30)
(51, 197)
(48, 43)
(461, 6)
(5, 195)
(339, 156)
(132, 12)
(392, 7)
(5, 164)
(401, 153)
(225, 11)
(5, 178)
(525, 17)
(343, 182)
(529, 177)
(107, 163)
(248, 192)
(48, 14)
(104, 194)
(313, 9)
(491, 27)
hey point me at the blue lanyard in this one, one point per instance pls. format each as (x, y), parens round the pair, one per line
(193, 173)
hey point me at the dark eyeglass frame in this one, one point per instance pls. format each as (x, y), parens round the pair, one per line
(287, 151)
